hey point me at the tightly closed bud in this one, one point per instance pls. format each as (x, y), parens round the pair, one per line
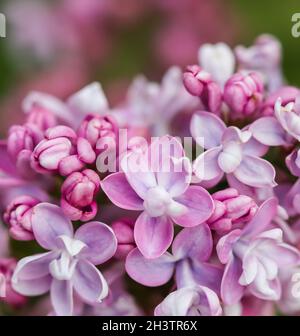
(243, 94)
(123, 230)
(199, 83)
(7, 294)
(231, 210)
(18, 217)
(78, 195)
(41, 117)
(97, 130)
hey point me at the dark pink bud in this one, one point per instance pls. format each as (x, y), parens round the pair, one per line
(199, 83)
(231, 210)
(123, 230)
(78, 195)
(243, 93)
(18, 217)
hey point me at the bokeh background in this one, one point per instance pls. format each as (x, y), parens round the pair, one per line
(58, 46)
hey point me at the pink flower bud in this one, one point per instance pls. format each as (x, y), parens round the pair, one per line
(123, 230)
(78, 195)
(41, 117)
(57, 145)
(199, 83)
(22, 138)
(231, 209)
(7, 294)
(18, 217)
(95, 128)
(287, 94)
(243, 93)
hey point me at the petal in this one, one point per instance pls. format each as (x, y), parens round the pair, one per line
(31, 276)
(207, 275)
(255, 172)
(150, 272)
(100, 240)
(207, 129)
(206, 165)
(262, 218)
(254, 148)
(89, 283)
(199, 207)
(194, 242)
(230, 157)
(153, 235)
(177, 178)
(234, 134)
(119, 191)
(89, 100)
(231, 290)
(225, 245)
(138, 171)
(62, 297)
(48, 223)
(268, 131)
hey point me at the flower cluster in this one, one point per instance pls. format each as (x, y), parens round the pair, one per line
(191, 183)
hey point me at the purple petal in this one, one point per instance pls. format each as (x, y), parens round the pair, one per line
(121, 193)
(255, 172)
(89, 283)
(62, 297)
(194, 242)
(207, 275)
(199, 207)
(254, 148)
(268, 131)
(31, 276)
(231, 290)
(48, 223)
(100, 240)
(293, 162)
(206, 165)
(150, 272)
(177, 178)
(153, 235)
(225, 244)
(207, 129)
(262, 219)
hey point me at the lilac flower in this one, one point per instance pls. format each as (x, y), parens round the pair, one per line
(218, 60)
(68, 267)
(164, 195)
(190, 301)
(18, 217)
(264, 56)
(200, 83)
(253, 257)
(78, 195)
(62, 152)
(243, 93)
(191, 251)
(230, 151)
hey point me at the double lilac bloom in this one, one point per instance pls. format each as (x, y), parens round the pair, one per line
(254, 256)
(164, 195)
(230, 151)
(68, 267)
(197, 280)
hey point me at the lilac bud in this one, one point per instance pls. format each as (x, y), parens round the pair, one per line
(199, 83)
(123, 230)
(243, 94)
(78, 195)
(231, 209)
(18, 217)
(41, 117)
(94, 128)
